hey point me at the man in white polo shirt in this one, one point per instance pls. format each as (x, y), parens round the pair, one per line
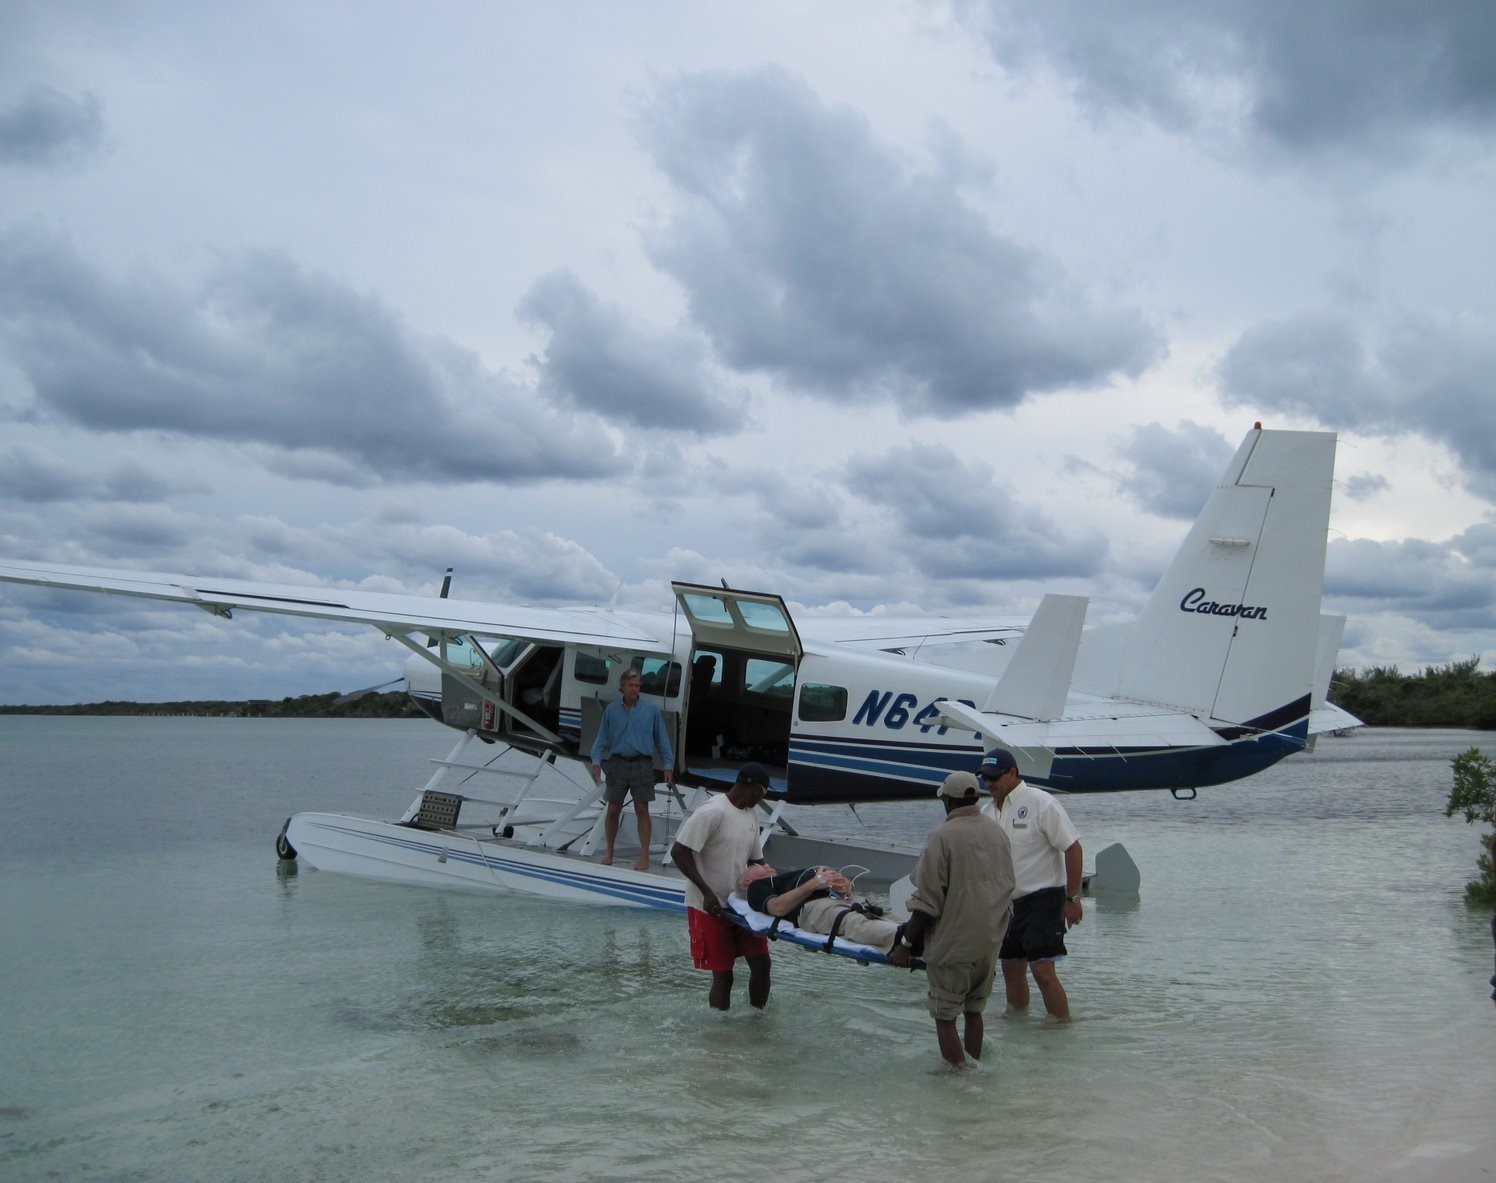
(1046, 865)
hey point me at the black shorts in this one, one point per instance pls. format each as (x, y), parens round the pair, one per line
(1037, 930)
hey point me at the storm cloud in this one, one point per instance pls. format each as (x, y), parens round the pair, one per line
(45, 127)
(265, 351)
(1339, 76)
(600, 361)
(814, 253)
(1432, 375)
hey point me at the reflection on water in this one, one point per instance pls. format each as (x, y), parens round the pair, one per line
(1297, 992)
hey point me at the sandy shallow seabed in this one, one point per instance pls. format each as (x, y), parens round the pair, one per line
(1298, 995)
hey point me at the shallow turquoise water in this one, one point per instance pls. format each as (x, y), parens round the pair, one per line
(1298, 993)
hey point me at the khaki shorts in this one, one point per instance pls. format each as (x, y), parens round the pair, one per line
(962, 988)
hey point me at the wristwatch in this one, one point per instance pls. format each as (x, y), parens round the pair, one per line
(1072, 899)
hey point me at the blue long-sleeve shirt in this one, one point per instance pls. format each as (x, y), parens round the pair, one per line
(633, 732)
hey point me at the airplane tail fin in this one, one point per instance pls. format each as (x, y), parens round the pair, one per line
(1232, 632)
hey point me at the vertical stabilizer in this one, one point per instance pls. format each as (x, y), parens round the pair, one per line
(1037, 679)
(1232, 630)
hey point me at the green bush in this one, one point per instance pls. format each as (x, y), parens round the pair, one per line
(1474, 795)
(1454, 695)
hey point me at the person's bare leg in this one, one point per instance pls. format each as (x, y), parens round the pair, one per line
(758, 980)
(974, 1030)
(610, 828)
(950, 1042)
(646, 832)
(721, 995)
(1048, 981)
(1015, 983)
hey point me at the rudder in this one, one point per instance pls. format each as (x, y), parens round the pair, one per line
(1230, 633)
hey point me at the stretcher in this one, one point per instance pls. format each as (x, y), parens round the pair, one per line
(779, 929)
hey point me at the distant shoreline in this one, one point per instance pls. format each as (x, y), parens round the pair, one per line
(391, 705)
(396, 705)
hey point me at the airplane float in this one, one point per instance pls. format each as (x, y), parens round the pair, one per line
(1223, 674)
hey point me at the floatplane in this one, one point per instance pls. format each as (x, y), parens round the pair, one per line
(1224, 673)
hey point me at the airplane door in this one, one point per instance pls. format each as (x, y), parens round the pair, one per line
(740, 701)
(461, 707)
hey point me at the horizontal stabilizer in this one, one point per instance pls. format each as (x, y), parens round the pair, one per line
(1121, 728)
(1329, 717)
(1037, 681)
(1325, 716)
(1034, 758)
(1331, 629)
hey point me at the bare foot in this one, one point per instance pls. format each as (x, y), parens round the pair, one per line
(607, 859)
(642, 865)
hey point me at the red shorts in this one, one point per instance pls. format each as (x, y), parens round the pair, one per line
(716, 943)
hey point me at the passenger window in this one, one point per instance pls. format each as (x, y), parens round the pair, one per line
(766, 676)
(820, 703)
(707, 609)
(765, 616)
(588, 668)
(706, 669)
(655, 678)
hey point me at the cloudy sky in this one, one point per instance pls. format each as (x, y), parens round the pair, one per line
(879, 305)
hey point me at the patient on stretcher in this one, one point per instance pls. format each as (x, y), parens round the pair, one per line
(818, 900)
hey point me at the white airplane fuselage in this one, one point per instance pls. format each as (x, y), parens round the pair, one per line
(1223, 673)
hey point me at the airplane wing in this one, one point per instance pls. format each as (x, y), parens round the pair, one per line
(392, 614)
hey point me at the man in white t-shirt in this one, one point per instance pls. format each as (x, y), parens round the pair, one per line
(1047, 867)
(712, 849)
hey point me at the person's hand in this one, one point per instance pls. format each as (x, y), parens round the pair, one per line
(1074, 913)
(597, 773)
(710, 904)
(898, 955)
(837, 882)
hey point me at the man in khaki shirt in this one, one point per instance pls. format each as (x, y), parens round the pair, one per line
(962, 901)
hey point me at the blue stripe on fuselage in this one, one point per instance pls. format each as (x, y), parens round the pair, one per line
(827, 771)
